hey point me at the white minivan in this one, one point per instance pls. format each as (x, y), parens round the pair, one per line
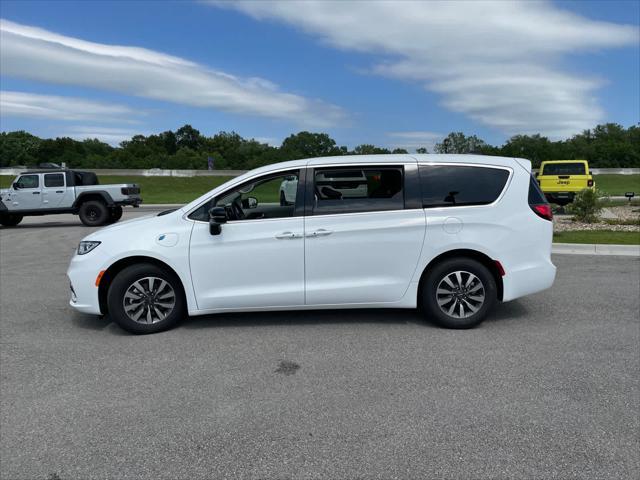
(450, 234)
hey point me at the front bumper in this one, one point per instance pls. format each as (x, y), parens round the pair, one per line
(82, 273)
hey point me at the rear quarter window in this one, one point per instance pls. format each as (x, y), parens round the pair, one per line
(460, 185)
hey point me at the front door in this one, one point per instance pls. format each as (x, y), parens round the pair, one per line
(28, 194)
(361, 244)
(257, 260)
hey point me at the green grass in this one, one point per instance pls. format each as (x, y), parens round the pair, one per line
(618, 184)
(598, 236)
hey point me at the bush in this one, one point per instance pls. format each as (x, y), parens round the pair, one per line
(587, 205)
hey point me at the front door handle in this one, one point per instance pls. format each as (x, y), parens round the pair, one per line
(287, 236)
(59, 191)
(321, 232)
(35, 193)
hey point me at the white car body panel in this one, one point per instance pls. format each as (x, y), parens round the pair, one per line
(273, 268)
(370, 259)
(362, 258)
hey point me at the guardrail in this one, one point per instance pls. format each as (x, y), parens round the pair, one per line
(158, 172)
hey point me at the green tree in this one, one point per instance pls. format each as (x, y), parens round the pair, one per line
(458, 142)
(532, 147)
(367, 149)
(308, 145)
(18, 148)
(188, 137)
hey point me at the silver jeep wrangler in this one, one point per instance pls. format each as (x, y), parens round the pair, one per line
(48, 192)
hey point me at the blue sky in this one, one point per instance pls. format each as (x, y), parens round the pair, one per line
(394, 74)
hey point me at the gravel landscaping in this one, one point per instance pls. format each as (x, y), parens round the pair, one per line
(565, 223)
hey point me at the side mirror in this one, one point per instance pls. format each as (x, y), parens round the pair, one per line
(536, 174)
(15, 186)
(217, 216)
(250, 203)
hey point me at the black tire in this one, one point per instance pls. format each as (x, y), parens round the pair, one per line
(140, 273)
(10, 219)
(94, 213)
(466, 295)
(115, 214)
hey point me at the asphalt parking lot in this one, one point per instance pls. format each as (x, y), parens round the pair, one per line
(547, 388)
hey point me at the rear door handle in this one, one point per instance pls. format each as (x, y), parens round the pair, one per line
(59, 191)
(35, 193)
(287, 236)
(321, 232)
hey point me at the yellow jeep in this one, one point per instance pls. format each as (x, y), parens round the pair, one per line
(560, 179)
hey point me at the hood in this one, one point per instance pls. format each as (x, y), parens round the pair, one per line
(135, 226)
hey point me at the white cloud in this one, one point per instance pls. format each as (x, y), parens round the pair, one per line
(413, 140)
(112, 136)
(498, 62)
(32, 105)
(38, 54)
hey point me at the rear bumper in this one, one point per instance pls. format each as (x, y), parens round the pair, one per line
(133, 201)
(527, 279)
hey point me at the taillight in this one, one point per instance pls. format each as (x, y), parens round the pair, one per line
(589, 183)
(543, 210)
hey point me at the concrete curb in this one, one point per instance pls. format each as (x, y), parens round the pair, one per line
(595, 249)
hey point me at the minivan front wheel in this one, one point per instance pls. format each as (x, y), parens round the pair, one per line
(145, 298)
(458, 293)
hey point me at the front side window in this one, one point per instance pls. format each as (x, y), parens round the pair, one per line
(28, 181)
(271, 196)
(460, 185)
(54, 180)
(358, 189)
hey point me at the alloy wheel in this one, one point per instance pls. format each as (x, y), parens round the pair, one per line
(149, 300)
(460, 294)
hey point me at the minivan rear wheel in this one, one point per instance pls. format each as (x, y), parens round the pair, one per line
(145, 298)
(458, 293)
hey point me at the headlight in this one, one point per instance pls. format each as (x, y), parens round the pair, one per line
(86, 247)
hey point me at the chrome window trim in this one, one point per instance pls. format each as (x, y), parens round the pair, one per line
(372, 212)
